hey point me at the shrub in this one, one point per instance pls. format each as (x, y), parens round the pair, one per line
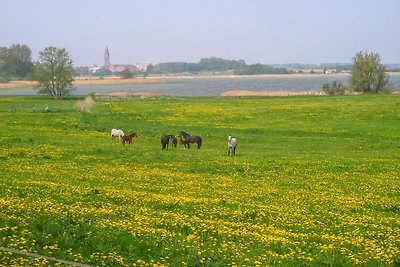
(335, 88)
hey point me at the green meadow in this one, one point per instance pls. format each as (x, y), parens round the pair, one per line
(315, 182)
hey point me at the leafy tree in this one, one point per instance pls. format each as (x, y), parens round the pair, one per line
(368, 74)
(15, 61)
(19, 60)
(54, 72)
(126, 74)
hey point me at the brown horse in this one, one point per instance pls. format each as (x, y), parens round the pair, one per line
(128, 138)
(174, 140)
(191, 139)
(165, 141)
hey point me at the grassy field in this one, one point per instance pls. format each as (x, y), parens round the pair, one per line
(316, 181)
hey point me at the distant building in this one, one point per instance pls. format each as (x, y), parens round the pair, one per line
(120, 68)
(93, 68)
(107, 62)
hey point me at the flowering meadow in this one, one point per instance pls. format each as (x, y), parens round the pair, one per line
(315, 182)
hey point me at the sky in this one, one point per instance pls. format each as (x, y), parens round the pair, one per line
(154, 31)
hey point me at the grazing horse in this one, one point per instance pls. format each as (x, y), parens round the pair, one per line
(232, 143)
(191, 139)
(116, 132)
(128, 138)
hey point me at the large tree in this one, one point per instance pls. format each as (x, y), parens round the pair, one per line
(368, 74)
(15, 61)
(54, 72)
(19, 60)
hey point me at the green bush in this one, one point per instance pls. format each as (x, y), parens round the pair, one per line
(335, 88)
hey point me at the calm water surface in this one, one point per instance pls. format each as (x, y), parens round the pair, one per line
(214, 86)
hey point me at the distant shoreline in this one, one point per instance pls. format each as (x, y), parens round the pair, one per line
(85, 81)
(114, 80)
(228, 76)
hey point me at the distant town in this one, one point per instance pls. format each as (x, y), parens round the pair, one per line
(115, 68)
(214, 66)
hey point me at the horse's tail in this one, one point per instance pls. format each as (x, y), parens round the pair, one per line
(200, 142)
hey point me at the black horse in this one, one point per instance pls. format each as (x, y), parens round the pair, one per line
(174, 140)
(191, 139)
(165, 141)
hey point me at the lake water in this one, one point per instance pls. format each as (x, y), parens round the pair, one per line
(215, 86)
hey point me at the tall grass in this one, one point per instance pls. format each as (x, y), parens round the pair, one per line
(315, 181)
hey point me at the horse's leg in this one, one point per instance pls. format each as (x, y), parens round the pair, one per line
(229, 151)
(234, 151)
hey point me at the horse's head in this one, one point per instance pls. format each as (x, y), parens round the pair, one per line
(183, 134)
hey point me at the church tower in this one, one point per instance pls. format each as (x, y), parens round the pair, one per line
(107, 62)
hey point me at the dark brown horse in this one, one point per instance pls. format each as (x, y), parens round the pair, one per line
(128, 138)
(165, 141)
(191, 139)
(174, 140)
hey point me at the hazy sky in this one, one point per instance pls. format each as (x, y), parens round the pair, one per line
(153, 31)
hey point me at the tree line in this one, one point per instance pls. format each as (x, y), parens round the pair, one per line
(214, 64)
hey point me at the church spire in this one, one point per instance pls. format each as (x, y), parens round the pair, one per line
(107, 62)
